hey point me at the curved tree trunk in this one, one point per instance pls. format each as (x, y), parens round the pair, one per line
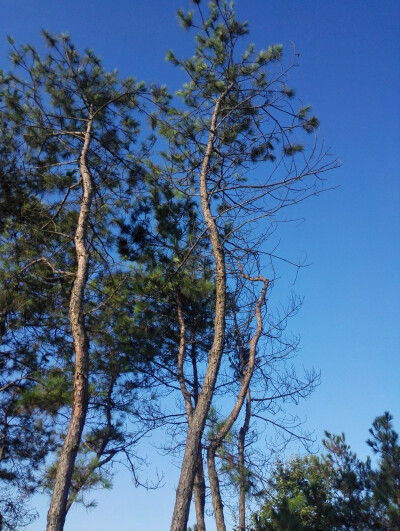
(59, 500)
(196, 428)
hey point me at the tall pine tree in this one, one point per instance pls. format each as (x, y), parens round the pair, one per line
(236, 115)
(74, 172)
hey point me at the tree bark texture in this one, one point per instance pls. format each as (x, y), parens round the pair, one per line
(59, 500)
(199, 493)
(196, 428)
(199, 488)
(216, 497)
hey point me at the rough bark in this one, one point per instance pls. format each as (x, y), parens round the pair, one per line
(199, 486)
(196, 428)
(216, 497)
(199, 493)
(199, 481)
(59, 500)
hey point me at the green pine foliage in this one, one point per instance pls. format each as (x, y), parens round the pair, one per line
(336, 490)
(256, 122)
(45, 104)
(150, 256)
(384, 442)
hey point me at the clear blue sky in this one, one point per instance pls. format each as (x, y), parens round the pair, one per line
(349, 72)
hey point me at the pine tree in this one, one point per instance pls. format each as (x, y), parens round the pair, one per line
(235, 114)
(299, 496)
(384, 442)
(335, 490)
(350, 484)
(74, 172)
(179, 296)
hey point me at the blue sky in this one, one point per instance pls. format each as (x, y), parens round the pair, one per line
(349, 72)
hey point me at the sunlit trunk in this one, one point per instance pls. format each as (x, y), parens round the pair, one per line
(59, 500)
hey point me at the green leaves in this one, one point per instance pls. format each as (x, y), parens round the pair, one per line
(309, 124)
(53, 391)
(289, 92)
(304, 111)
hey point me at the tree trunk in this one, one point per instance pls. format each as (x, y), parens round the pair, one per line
(199, 481)
(58, 505)
(199, 486)
(232, 417)
(196, 428)
(199, 493)
(242, 471)
(218, 506)
(3, 320)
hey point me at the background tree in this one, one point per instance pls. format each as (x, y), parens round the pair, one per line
(332, 491)
(384, 442)
(350, 483)
(298, 497)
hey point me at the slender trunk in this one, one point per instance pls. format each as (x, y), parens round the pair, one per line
(199, 486)
(218, 506)
(4, 431)
(59, 500)
(199, 481)
(196, 428)
(3, 320)
(242, 470)
(199, 493)
(96, 463)
(232, 417)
